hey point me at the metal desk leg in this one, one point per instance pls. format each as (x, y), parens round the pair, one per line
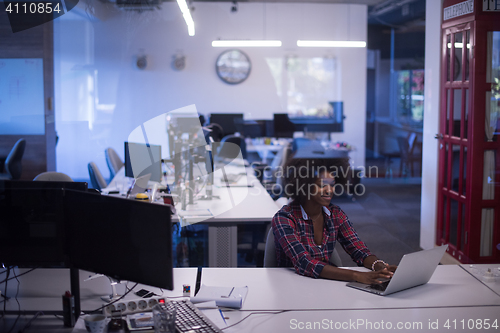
(222, 246)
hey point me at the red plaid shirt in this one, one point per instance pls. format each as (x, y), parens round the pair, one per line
(294, 239)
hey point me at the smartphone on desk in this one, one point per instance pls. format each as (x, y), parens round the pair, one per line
(144, 293)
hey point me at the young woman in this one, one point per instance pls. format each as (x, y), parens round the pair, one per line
(307, 230)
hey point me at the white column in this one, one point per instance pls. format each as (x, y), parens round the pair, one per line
(430, 147)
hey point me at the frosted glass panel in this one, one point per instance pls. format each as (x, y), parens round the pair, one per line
(489, 175)
(21, 97)
(458, 57)
(487, 218)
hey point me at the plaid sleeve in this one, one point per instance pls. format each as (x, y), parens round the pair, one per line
(286, 234)
(349, 239)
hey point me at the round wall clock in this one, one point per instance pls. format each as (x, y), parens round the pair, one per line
(233, 66)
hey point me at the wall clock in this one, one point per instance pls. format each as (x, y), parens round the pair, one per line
(233, 66)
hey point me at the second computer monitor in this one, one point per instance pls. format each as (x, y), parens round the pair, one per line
(226, 121)
(124, 239)
(141, 159)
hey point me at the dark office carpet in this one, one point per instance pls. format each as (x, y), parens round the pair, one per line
(386, 217)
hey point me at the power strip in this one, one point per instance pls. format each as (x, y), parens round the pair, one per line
(132, 306)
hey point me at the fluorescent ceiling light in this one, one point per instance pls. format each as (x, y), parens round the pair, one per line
(187, 16)
(246, 43)
(330, 43)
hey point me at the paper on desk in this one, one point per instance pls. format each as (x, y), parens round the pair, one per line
(231, 297)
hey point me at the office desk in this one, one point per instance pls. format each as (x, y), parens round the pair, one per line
(282, 289)
(478, 270)
(41, 290)
(283, 301)
(247, 203)
(448, 319)
(263, 150)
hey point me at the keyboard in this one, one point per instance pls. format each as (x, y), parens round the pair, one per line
(189, 318)
(380, 286)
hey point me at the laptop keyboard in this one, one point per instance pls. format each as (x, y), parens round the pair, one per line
(380, 286)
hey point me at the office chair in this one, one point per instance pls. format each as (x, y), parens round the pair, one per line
(114, 162)
(12, 166)
(96, 178)
(231, 150)
(216, 131)
(52, 176)
(270, 253)
(274, 175)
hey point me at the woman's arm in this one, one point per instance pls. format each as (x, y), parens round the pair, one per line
(335, 273)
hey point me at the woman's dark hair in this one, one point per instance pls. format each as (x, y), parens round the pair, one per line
(301, 173)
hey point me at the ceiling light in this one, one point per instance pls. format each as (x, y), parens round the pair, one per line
(187, 16)
(330, 43)
(246, 43)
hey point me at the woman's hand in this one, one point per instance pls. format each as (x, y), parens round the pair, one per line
(382, 265)
(373, 277)
(391, 268)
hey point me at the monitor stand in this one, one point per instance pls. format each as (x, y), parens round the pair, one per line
(74, 277)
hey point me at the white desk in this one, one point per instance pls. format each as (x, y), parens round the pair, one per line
(283, 289)
(236, 206)
(451, 294)
(372, 320)
(478, 270)
(264, 150)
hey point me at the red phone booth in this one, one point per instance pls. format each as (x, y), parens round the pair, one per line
(469, 139)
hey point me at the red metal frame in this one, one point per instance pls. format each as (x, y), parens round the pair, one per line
(478, 23)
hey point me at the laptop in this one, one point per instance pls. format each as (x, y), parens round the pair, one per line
(139, 185)
(414, 270)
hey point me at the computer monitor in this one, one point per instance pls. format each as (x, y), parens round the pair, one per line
(32, 223)
(141, 159)
(226, 121)
(123, 239)
(283, 127)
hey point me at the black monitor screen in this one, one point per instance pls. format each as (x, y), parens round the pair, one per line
(283, 127)
(124, 239)
(226, 121)
(141, 159)
(32, 223)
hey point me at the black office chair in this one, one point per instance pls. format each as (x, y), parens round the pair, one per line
(12, 166)
(230, 147)
(52, 176)
(96, 178)
(114, 162)
(216, 131)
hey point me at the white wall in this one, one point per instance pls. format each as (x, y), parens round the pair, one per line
(101, 96)
(430, 146)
